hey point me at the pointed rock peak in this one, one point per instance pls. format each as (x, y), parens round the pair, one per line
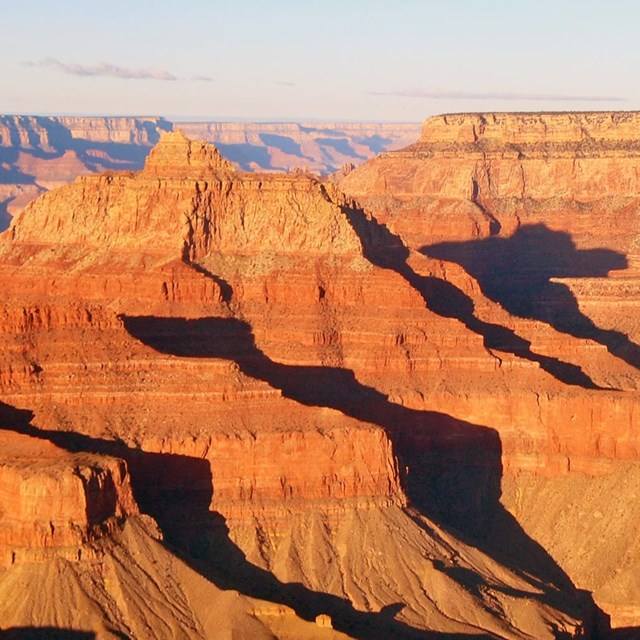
(177, 156)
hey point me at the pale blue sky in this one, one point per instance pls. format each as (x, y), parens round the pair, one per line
(377, 60)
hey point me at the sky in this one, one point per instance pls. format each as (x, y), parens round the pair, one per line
(321, 60)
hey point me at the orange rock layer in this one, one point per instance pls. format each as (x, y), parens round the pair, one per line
(39, 153)
(533, 219)
(262, 346)
(51, 499)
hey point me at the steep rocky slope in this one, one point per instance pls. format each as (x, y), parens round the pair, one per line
(533, 220)
(257, 365)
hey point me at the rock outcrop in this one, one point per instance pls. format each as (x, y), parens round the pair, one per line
(263, 364)
(51, 499)
(531, 221)
(476, 174)
(39, 153)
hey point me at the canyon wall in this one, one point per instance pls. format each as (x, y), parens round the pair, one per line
(533, 220)
(334, 387)
(318, 147)
(43, 152)
(38, 153)
(272, 375)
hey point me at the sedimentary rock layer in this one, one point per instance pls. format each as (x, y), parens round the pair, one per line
(318, 147)
(39, 153)
(262, 360)
(532, 219)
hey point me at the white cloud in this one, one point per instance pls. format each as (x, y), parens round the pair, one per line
(104, 69)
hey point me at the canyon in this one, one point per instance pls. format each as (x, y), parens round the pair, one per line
(391, 404)
(38, 153)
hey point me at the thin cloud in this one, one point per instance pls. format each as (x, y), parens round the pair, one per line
(103, 69)
(201, 79)
(470, 95)
(287, 84)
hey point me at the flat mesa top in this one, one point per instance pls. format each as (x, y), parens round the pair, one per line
(542, 127)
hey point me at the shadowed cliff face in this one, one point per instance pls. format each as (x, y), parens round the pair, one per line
(452, 469)
(161, 482)
(45, 633)
(445, 461)
(386, 250)
(5, 218)
(518, 273)
(177, 491)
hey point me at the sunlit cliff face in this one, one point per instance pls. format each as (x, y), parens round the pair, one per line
(321, 402)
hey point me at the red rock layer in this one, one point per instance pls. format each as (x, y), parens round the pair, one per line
(50, 499)
(534, 218)
(334, 309)
(259, 345)
(122, 225)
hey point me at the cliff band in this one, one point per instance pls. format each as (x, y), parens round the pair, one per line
(322, 399)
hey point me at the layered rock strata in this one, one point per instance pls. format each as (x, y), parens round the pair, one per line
(38, 153)
(532, 220)
(260, 356)
(311, 146)
(478, 174)
(51, 499)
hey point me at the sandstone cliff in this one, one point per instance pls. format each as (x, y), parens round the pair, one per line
(532, 220)
(39, 153)
(486, 172)
(259, 361)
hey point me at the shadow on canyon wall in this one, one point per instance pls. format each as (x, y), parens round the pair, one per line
(246, 155)
(386, 250)
(443, 459)
(51, 139)
(111, 156)
(518, 273)
(5, 217)
(341, 146)
(9, 173)
(56, 135)
(282, 143)
(50, 136)
(324, 150)
(45, 633)
(376, 143)
(624, 633)
(177, 491)
(451, 468)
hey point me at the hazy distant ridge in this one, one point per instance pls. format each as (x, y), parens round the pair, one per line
(42, 152)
